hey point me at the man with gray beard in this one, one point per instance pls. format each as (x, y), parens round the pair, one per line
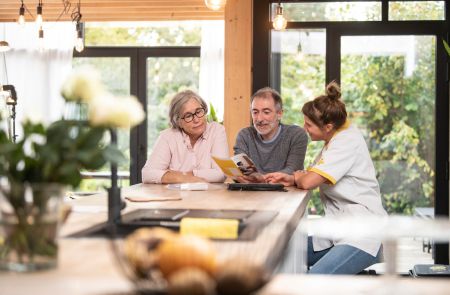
(273, 147)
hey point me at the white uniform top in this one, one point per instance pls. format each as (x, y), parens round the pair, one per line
(352, 188)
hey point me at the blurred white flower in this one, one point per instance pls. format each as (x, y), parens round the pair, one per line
(111, 111)
(82, 85)
(33, 139)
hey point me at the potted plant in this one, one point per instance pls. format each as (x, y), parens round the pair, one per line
(36, 169)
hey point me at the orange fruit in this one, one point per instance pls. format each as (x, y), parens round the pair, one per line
(186, 251)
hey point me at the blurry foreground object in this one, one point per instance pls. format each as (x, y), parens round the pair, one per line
(165, 261)
(8, 93)
(388, 229)
(36, 169)
(4, 46)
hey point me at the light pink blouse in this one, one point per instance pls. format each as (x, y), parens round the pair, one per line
(173, 151)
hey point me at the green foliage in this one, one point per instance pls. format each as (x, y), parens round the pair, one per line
(55, 154)
(115, 74)
(212, 116)
(418, 10)
(143, 36)
(166, 77)
(393, 107)
(303, 76)
(447, 48)
(94, 185)
(396, 114)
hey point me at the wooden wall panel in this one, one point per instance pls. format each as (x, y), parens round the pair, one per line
(113, 10)
(238, 66)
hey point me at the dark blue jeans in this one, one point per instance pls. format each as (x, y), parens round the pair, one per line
(340, 259)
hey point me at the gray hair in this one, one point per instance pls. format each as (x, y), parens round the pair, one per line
(268, 92)
(177, 103)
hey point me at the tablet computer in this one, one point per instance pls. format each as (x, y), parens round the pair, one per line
(256, 187)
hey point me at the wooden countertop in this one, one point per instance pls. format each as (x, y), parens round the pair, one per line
(286, 284)
(87, 266)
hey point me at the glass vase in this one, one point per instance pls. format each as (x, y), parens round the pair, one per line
(29, 222)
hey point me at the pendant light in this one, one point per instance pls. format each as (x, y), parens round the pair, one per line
(279, 22)
(215, 4)
(4, 46)
(79, 43)
(39, 19)
(76, 17)
(21, 19)
(41, 42)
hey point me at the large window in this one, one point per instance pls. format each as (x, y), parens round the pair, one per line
(331, 11)
(165, 77)
(151, 61)
(389, 58)
(144, 34)
(115, 74)
(389, 89)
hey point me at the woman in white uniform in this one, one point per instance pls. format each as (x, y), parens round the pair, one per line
(345, 174)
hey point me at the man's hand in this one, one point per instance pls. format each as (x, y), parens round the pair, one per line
(279, 177)
(252, 178)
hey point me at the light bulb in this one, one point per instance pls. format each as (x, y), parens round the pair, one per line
(279, 22)
(215, 4)
(39, 19)
(79, 44)
(21, 19)
(41, 42)
(4, 46)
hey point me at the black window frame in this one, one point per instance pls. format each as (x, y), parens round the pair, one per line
(138, 87)
(262, 77)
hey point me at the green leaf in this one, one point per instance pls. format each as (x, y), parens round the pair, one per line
(447, 47)
(91, 159)
(212, 113)
(112, 154)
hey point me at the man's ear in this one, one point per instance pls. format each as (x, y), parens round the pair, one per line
(279, 114)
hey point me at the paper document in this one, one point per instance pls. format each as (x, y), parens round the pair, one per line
(189, 186)
(238, 165)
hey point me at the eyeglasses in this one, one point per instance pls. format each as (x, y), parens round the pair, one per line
(188, 117)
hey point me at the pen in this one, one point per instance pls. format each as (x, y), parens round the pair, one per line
(179, 215)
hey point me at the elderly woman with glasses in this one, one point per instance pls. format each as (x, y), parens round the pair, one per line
(183, 153)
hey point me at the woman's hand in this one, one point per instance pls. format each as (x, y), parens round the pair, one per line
(180, 177)
(279, 177)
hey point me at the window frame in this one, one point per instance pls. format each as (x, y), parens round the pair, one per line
(261, 75)
(138, 87)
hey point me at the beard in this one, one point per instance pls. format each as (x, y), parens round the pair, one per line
(267, 125)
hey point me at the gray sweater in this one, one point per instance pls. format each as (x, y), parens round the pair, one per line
(285, 154)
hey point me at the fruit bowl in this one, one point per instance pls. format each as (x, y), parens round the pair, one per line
(160, 261)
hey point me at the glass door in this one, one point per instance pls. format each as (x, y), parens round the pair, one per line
(388, 85)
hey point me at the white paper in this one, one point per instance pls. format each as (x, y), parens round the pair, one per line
(189, 186)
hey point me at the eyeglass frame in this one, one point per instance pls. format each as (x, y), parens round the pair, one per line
(196, 114)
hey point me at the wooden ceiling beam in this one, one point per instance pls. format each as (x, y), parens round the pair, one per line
(114, 10)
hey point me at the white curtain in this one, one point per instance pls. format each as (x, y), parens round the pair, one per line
(212, 65)
(37, 74)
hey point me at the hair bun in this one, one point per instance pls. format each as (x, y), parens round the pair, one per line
(333, 90)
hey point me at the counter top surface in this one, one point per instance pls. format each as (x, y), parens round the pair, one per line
(87, 265)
